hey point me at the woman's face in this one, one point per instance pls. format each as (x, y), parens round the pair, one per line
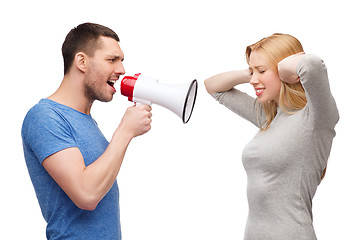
(265, 79)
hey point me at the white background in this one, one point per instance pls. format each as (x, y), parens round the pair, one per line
(177, 181)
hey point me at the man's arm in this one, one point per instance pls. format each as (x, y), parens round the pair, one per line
(86, 186)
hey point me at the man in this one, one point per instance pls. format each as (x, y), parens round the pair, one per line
(72, 166)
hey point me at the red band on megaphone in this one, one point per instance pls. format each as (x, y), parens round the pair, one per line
(127, 86)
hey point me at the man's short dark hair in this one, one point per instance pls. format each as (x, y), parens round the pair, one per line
(84, 38)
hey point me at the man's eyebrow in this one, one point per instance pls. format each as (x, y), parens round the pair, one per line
(114, 57)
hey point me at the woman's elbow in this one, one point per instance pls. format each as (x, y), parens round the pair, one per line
(208, 87)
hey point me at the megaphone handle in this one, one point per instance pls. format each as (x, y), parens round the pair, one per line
(140, 104)
(141, 101)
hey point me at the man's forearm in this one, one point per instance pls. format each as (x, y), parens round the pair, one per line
(99, 177)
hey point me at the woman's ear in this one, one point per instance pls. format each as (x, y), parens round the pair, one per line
(81, 61)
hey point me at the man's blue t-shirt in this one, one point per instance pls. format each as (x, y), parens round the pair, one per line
(50, 127)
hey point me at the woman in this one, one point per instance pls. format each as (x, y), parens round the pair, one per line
(296, 115)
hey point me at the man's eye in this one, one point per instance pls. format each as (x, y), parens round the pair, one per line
(262, 71)
(111, 60)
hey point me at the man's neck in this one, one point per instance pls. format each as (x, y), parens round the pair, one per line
(71, 94)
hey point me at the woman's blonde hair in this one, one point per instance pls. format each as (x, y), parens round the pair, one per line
(274, 49)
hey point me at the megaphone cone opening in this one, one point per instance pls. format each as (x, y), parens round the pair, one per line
(190, 101)
(179, 99)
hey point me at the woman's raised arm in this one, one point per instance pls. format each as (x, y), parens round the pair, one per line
(226, 81)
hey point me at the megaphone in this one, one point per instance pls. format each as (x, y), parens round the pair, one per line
(179, 99)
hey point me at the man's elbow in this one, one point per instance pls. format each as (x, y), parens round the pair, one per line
(88, 203)
(88, 207)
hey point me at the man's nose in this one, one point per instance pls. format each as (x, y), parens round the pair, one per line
(120, 69)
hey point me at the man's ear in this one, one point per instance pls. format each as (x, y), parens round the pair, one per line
(81, 61)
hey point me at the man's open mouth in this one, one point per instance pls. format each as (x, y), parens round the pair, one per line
(111, 82)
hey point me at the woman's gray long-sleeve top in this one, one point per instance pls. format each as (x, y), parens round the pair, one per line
(284, 163)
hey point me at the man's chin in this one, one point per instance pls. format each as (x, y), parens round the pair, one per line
(105, 99)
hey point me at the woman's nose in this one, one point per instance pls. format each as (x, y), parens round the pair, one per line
(254, 80)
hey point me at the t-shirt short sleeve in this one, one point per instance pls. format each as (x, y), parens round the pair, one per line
(46, 132)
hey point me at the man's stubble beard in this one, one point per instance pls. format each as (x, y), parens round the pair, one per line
(92, 90)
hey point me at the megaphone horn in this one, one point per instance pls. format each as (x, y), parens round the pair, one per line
(179, 99)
